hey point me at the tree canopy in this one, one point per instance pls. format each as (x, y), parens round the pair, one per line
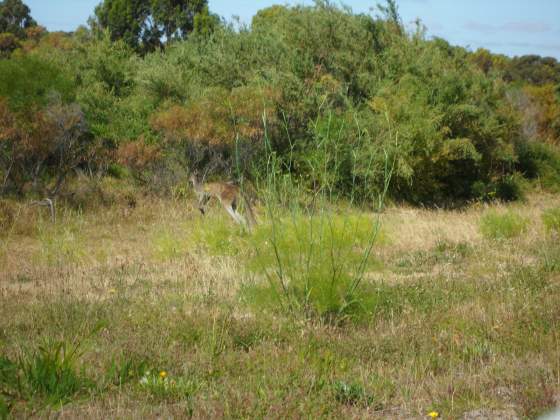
(146, 24)
(15, 17)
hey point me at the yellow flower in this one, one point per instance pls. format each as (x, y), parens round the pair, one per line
(433, 414)
(112, 291)
(163, 374)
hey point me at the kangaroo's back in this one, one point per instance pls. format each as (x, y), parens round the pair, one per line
(222, 190)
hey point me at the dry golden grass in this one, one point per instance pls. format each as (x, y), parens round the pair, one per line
(471, 323)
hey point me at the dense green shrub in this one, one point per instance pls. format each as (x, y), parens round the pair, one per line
(27, 82)
(540, 162)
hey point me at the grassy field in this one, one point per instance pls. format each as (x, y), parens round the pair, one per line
(157, 312)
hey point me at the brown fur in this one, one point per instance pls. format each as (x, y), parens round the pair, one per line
(227, 194)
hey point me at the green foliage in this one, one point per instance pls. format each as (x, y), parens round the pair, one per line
(534, 70)
(540, 162)
(506, 188)
(551, 219)
(205, 23)
(52, 372)
(500, 226)
(49, 374)
(8, 43)
(27, 82)
(42, 145)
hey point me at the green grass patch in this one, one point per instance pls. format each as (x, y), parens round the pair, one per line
(445, 252)
(168, 245)
(351, 393)
(550, 256)
(218, 235)
(500, 226)
(371, 301)
(551, 220)
(163, 386)
(125, 370)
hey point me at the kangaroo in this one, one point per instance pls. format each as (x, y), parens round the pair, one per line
(227, 194)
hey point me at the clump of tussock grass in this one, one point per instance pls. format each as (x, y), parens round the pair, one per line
(20, 219)
(551, 220)
(500, 226)
(49, 374)
(124, 370)
(314, 264)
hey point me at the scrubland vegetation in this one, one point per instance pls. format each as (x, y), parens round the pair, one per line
(165, 313)
(407, 255)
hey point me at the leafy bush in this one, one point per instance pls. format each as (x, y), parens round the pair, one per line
(29, 81)
(42, 137)
(494, 225)
(540, 162)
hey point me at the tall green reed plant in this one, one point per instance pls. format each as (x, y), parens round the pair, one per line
(313, 257)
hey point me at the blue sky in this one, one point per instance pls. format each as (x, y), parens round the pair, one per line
(512, 27)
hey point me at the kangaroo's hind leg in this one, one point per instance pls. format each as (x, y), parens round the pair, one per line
(232, 210)
(202, 201)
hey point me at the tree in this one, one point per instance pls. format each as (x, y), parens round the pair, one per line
(176, 17)
(145, 24)
(41, 147)
(534, 69)
(15, 17)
